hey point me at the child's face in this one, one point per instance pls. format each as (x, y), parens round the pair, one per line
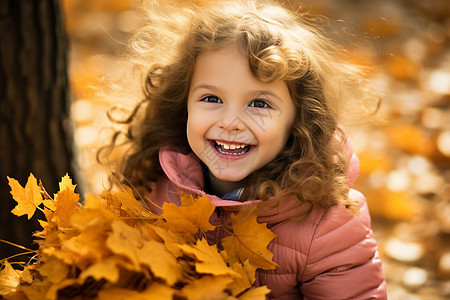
(236, 123)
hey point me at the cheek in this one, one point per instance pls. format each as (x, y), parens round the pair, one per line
(195, 133)
(190, 129)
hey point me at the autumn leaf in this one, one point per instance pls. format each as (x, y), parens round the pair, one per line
(88, 246)
(52, 293)
(25, 276)
(38, 290)
(103, 269)
(27, 198)
(154, 291)
(158, 291)
(207, 288)
(65, 207)
(189, 218)
(9, 280)
(131, 205)
(54, 270)
(209, 259)
(66, 182)
(171, 240)
(249, 241)
(125, 240)
(246, 278)
(255, 293)
(162, 263)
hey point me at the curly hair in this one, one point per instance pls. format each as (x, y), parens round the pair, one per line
(281, 44)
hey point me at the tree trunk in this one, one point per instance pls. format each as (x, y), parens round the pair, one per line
(35, 131)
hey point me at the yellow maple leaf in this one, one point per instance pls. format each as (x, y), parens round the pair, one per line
(162, 263)
(27, 198)
(187, 199)
(103, 269)
(88, 246)
(246, 279)
(249, 240)
(25, 276)
(207, 288)
(125, 240)
(171, 240)
(54, 270)
(66, 182)
(189, 218)
(131, 205)
(255, 293)
(158, 291)
(209, 259)
(65, 207)
(154, 291)
(37, 290)
(94, 214)
(9, 280)
(52, 293)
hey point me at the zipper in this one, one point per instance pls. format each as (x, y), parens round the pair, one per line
(219, 227)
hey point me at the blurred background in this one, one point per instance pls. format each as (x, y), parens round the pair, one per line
(404, 152)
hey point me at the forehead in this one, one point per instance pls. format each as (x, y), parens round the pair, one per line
(226, 64)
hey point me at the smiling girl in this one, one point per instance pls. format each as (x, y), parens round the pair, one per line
(243, 103)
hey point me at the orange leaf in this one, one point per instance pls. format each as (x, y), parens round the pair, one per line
(162, 263)
(158, 291)
(131, 205)
(88, 247)
(247, 277)
(103, 269)
(171, 240)
(249, 241)
(190, 218)
(154, 291)
(255, 293)
(94, 214)
(66, 182)
(54, 270)
(207, 287)
(66, 204)
(27, 198)
(9, 280)
(125, 240)
(209, 259)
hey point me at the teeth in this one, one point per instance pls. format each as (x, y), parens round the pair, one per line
(231, 146)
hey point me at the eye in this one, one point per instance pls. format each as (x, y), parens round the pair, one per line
(211, 99)
(258, 103)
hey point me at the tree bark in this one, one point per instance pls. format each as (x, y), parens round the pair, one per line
(35, 130)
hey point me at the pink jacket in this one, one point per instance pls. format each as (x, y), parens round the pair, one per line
(332, 255)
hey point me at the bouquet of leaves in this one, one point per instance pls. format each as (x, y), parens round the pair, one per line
(112, 247)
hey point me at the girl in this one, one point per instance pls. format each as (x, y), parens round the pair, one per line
(243, 102)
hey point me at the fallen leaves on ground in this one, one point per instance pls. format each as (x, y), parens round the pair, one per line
(114, 248)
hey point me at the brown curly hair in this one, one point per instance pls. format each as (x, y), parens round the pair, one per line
(281, 45)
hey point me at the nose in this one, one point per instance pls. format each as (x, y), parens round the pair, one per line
(231, 121)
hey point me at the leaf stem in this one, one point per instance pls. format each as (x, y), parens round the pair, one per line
(19, 254)
(16, 245)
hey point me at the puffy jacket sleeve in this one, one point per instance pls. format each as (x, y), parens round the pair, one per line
(343, 261)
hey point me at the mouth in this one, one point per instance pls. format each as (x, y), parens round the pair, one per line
(228, 148)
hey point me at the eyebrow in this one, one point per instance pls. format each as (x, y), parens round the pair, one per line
(204, 86)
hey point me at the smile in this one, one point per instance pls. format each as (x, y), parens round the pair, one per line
(235, 149)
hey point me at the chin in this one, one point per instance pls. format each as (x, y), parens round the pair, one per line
(229, 177)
